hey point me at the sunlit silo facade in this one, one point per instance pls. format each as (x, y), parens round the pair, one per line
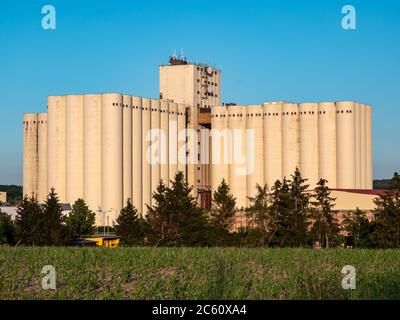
(102, 147)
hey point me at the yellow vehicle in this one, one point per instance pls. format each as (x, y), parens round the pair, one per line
(105, 241)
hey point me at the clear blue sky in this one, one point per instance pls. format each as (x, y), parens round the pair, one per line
(268, 50)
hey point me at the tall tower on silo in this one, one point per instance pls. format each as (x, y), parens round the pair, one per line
(199, 87)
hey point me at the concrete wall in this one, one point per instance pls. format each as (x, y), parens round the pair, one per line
(42, 158)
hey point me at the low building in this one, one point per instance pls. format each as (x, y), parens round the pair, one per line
(3, 197)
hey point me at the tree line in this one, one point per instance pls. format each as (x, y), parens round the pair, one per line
(285, 215)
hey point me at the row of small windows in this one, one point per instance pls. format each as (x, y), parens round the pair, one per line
(152, 109)
(277, 114)
(210, 83)
(202, 69)
(34, 122)
(342, 111)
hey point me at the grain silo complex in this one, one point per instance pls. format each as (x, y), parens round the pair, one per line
(106, 148)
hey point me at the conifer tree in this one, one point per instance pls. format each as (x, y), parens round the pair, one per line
(7, 229)
(81, 220)
(129, 225)
(29, 222)
(387, 216)
(224, 207)
(54, 229)
(176, 218)
(258, 213)
(325, 227)
(358, 229)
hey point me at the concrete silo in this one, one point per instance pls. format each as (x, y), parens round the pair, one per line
(346, 145)
(309, 142)
(92, 151)
(363, 146)
(146, 168)
(327, 142)
(182, 147)
(127, 147)
(111, 155)
(56, 145)
(272, 143)
(254, 149)
(172, 140)
(369, 150)
(137, 153)
(30, 162)
(73, 148)
(155, 145)
(164, 146)
(42, 157)
(358, 124)
(238, 168)
(290, 139)
(220, 144)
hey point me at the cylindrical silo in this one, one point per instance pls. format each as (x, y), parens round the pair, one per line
(173, 140)
(164, 147)
(73, 148)
(220, 144)
(111, 155)
(290, 139)
(155, 145)
(346, 145)
(358, 124)
(182, 146)
(238, 167)
(137, 153)
(363, 146)
(146, 158)
(30, 162)
(272, 143)
(92, 152)
(309, 142)
(369, 147)
(127, 147)
(327, 143)
(42, 157)
(56, 145)
(254, 149)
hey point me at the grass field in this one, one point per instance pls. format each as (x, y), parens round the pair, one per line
(198, 273)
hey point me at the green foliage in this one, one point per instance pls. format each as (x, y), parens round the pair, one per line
(130, 227)
(292, 209)
(386, 232)
(7, 229)
(54, 230)
(30, 222)
(325, 229)
(224, 205)
(262, 220)
(14, 193)
(175, 218)
(81, 220)
(359, 230)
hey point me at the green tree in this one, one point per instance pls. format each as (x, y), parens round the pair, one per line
(259, 214)
(81, 220)
(325, 229)
(223, 210)
(292, 209)
(358, 229)
(176, 218)
(54, 229)
(129, 225)
(29, 222)
(387, 216)
(7, 229)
